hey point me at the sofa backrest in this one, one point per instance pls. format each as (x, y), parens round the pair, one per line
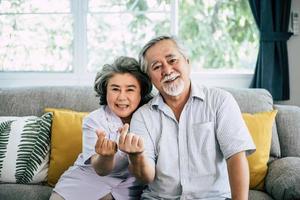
(253, 101)
(26, 101)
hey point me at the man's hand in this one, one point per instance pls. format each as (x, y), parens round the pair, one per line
(129, 142)
(133, 145)
(104, 146)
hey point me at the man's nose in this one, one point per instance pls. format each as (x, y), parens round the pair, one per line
(166, 69)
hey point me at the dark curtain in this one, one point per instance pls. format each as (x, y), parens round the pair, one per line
(272, 67)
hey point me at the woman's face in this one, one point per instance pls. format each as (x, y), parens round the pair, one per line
(123, 95)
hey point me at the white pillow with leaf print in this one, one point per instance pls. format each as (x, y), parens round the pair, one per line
(24, 148)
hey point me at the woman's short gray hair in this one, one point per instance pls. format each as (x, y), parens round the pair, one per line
(120, 66)
(142, 60)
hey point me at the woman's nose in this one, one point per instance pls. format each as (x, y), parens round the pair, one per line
(122, 95)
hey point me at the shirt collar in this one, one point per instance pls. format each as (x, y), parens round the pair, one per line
(111, 117)
(197, 91)
(157, 101)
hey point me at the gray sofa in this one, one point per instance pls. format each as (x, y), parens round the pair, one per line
(283, 178)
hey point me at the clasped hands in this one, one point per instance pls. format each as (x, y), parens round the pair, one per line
(128, 143)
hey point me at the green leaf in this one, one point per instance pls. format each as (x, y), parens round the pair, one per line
(5, 128)
(33, 147)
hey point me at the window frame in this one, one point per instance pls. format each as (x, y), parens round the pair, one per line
(80, 76)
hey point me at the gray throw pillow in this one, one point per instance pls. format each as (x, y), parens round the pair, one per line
(283, 179)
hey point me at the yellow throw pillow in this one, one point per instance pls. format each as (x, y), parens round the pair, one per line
(260, 128)
(66, 141)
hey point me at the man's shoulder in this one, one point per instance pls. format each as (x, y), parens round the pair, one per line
(219, 92)
(148, 107)
(211, 93)
(147, 110)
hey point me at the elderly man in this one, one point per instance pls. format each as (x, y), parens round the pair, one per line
(191, 141)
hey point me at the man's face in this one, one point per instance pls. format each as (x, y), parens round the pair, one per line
(168, 69)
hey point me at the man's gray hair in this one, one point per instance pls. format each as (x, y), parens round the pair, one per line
(142, 60)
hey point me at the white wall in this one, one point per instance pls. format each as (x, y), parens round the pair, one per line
(294, 63)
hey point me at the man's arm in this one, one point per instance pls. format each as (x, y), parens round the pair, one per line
(103, 162)
(133, 145)
(141, 168)
(238, 171)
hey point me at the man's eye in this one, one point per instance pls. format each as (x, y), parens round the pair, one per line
(156, 67)
(115, 89)
(173, 60)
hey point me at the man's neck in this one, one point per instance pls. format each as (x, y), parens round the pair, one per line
(176, 103)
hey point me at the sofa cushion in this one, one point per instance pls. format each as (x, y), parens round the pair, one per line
(253, 101)
(24, 148)
(260, 128)
(288, 124)
(66, 141)
(283, 178)
(259, 195)
(24, 192)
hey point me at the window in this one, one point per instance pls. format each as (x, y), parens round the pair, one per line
(75, 35)
(36, 35)
(221, 34)
(122, 27)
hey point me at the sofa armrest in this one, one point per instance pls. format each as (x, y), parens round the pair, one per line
(283, 178)
(288, 128)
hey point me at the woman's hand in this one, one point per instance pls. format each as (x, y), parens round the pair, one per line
(104, 146)
(129, 142)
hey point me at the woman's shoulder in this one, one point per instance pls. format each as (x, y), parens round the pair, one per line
(98, 112)
(95, 116)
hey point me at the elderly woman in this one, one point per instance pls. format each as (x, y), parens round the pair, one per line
(101, 170)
